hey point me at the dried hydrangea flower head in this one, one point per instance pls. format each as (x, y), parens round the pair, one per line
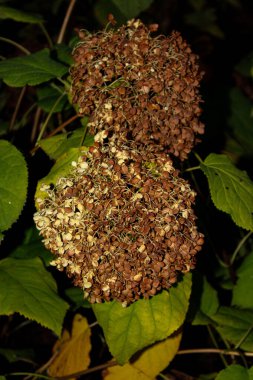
(147, 88)
(121, 224)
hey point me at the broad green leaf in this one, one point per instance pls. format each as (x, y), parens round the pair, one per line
(61, 168)
(241, 119)
(235, 372)
(208, 305)
(13, 184)
(73, 349)
(231, 189)
(242, 297)
(31, 247)
(128, 330)
(57, 145)
(28, 289)
(17, 15)
(149, 364)
(235, 324)
(47, 97)
(31, 69)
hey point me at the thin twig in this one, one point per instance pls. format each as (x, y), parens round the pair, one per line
(43, 128)
(16, 44)
(65, 21)
(35, 123)
(239, 246)
(216, 345)
(63, 125)
(43, 367)
(48, 38)
(14, 116)
(213, 351)
(56, 130)
(245, 335)
(87, 371)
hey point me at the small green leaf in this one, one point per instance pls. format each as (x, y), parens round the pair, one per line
(122, 10)
(31, 247)
(242, 297)
(231, 189)
(235, 372)
(241, 120)
(13, 355)
(205, 20)
(31, 69)
(57, 145)
(128, 330)
(235, 324)
(245, 66)
(76, 296)
(61, 168)
(28, 289)
(47, 96)
(13, 184)
(64, 54)
(131, 9)
(17, 15)
(208, 305)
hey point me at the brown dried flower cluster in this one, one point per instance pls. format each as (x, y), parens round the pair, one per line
(121, 224)
(145, 88)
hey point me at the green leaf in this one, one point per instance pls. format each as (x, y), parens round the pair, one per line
(28, 289)
(235, 324)
(57, 145)
(31, 69)
(131, 9)
(47, 96)
(61, 168)
(205, 20)
(231, 189)
(242, 297)
(64, 54)
(208, 305)
(128, 330)
(241, 119)
(75, 294)
(17, 15)
(235, 372)
(13, 355)
(122, 10)
(31, 247)
(245, 66)
(13, 184)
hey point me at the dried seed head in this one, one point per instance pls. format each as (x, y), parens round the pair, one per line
(124, 234)
(139, 87)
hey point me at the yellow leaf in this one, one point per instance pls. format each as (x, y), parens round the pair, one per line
(73, 349)
(150, 363)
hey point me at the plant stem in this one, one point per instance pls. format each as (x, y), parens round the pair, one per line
(48, 117)
(30, 374)
(213, 351)
(198, 158)
(14, 116)
(88, 371)
(16, 44)
(239, 246)
(48, 38)
(65, 21)
(193, 168)
(244, 337)
(216, 345)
